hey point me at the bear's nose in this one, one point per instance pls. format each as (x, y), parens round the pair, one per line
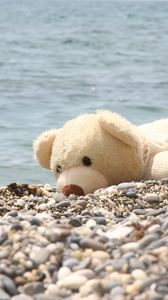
(73, 189)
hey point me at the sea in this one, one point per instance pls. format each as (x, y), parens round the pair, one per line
(63, 58)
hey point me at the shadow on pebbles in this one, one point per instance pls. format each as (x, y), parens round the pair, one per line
(112, 244)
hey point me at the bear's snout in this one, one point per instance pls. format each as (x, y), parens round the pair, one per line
(73, 189)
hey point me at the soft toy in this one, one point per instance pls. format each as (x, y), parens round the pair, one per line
(98, 150)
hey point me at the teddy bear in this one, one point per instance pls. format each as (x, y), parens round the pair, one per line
(98, 150)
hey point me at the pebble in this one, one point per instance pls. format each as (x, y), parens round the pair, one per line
(8, 285)
(22, 296)
(91, 243)
(126, 185)
(72, 282)
(151, 197)
(63, 272)
(39, 255)
(3, 236)
(146, 240)
(33, 288)
(76, 222)
(71, 262)
(100, 255)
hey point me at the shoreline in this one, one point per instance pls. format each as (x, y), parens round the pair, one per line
(112, 244)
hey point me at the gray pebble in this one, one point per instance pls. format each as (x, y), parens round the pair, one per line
(146, 240)
(162, 289)
(57, 234)
(12, 213)
(71, 262)
(33, 288)
(117, 290)
(91, 243)
(131, 194)
(63, 204)
(100, 220)
(157, 244)
(8, 285)
(156, 212)
(151, 197)
(81, 203)
(75, 222)
(165, 225)
(139, 211)
(126, 185)
(3, 236)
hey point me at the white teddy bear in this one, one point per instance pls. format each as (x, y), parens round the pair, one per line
(98, 150)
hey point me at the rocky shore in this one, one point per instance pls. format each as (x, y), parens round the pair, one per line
(112, 244)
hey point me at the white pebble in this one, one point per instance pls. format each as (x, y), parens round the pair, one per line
(63, 272)
(139, 274)
(72, 282)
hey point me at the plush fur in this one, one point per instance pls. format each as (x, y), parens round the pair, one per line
(118, 151)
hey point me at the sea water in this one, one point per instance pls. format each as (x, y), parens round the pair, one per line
(62, 58)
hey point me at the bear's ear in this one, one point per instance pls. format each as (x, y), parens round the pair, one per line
(119, 127)
(43, 147)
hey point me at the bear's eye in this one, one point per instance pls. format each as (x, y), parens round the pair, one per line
(58, 169)
(86, 161)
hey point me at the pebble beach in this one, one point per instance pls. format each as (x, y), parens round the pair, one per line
(112, 244)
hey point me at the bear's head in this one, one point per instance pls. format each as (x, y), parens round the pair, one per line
(90, 152)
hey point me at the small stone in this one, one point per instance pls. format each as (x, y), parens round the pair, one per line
(100, 255)
(58, 197)
(91, 243)
(132, 246)
(63, 272)
(39, 255)
(139, 274)
(90, 223)
(72, 282)
(44, 297)
(3, 236)
(21, 297)
(20, 203)
(93, 285)
(146, 240)
(139, 211)
(8, 285)
(51, 203)
(119, 232)
(81, 203)
(71, 262)
(63, 204)
(131, 194)
(57, 234)
(117, 290)
(35, 221)
(75, 222)
(16, 226)
(151, 197)
(126, 185)
(42, 207)
(12, 213)
(156, 212)
(33, 288)
(100, 220)
(88, 273)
